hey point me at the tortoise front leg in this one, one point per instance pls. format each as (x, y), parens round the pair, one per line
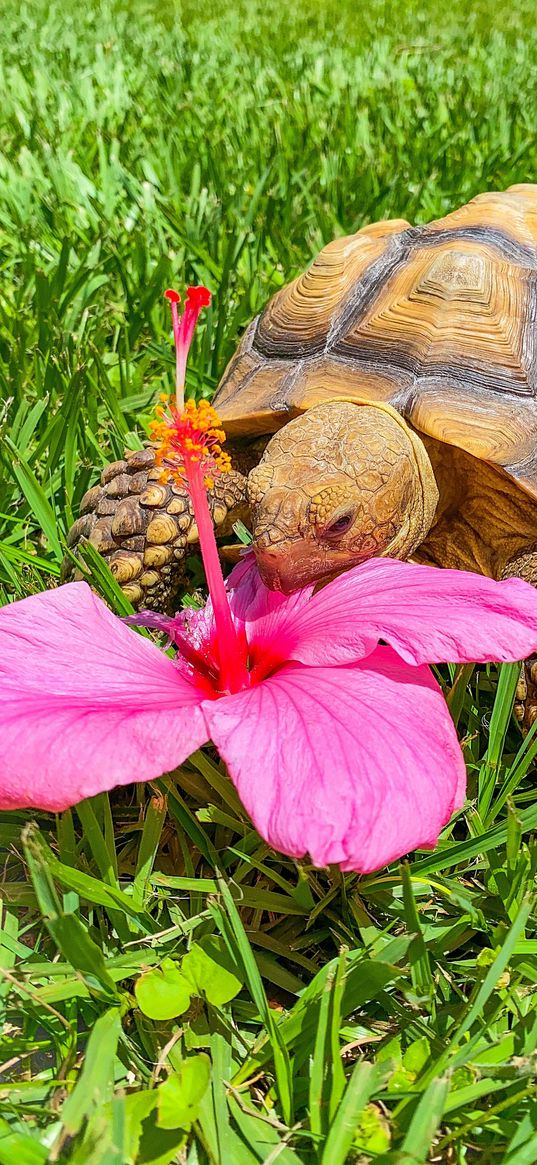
(144, 529)
(524, 565)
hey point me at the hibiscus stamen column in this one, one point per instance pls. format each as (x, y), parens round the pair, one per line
(233, 669)
(188, 440)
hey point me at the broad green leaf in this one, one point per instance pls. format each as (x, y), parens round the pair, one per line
(130, 1125)
(372, 1132)
(164, 992)
(179, 1096)
(211, 971)
(416, 1055)
(155, 1145)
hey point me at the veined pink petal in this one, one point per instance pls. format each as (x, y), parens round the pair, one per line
(255, 610)
(260, 611)
(85, 703)
(355, 765)
(426, 614)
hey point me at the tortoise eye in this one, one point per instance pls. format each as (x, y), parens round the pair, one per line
(340, 525)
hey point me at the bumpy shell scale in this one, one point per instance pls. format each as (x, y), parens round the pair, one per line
(439, 321)
(142, 527)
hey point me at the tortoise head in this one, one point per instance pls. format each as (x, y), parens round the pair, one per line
(338, 485)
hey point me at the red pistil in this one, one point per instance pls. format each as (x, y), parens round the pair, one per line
(197, 297)
(183, 330)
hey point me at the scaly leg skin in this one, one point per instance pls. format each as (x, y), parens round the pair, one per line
(144, 529)
(524, 565)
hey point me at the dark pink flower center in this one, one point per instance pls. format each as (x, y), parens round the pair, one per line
(257, 661)
(198, 652)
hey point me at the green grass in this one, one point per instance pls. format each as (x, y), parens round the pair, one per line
(390, 1018)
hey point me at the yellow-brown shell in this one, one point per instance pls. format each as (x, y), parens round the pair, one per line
(440, 321)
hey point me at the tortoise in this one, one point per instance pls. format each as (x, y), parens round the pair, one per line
(384, 403)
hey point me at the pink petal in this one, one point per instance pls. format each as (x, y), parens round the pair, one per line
(354, 765)
(426, 614)
(254, 608)
(85, 703)
(260, 611)
(251, 600)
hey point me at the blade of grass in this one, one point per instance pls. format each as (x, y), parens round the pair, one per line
(364, 1081)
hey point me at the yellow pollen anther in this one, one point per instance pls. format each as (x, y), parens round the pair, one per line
(195, 434)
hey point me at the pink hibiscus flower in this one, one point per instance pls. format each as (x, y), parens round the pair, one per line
(338, 747)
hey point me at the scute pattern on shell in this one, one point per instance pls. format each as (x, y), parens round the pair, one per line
(438, 321)
(143, 528)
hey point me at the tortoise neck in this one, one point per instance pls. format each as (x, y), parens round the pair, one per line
(483, 518)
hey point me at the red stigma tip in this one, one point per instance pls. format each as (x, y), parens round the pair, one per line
(172, 295)
(198, 296)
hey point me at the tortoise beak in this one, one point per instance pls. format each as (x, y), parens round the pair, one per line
(299, 567)
(273, 579)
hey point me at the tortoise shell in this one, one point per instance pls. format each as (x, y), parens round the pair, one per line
(438, 321)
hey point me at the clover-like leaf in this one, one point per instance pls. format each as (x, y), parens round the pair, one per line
(180, 1095)
(163, 992)
(211, 971)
